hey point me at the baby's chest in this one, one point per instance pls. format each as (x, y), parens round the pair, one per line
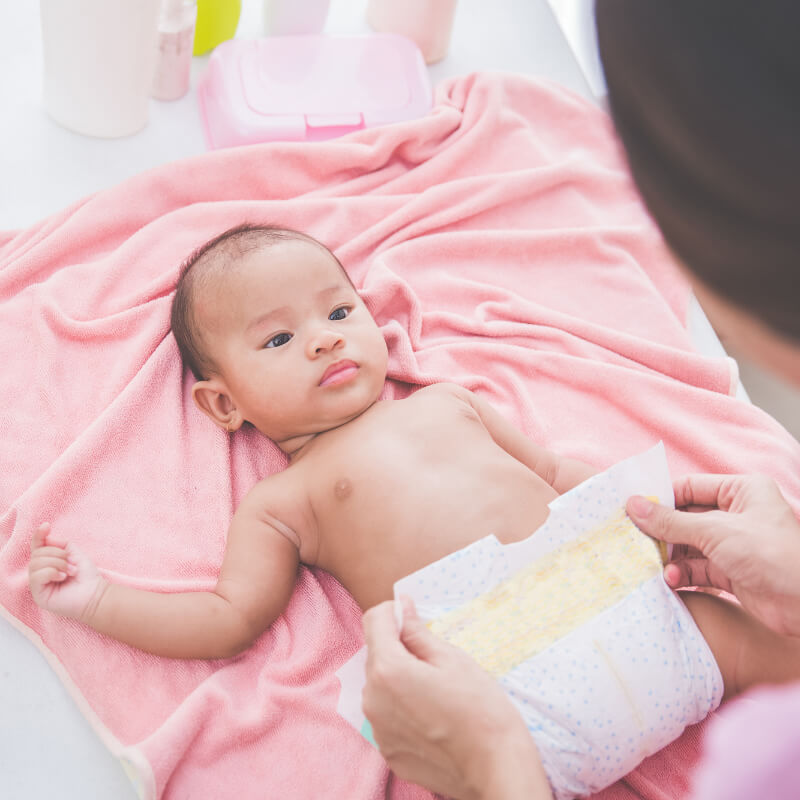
(394, 466)
(400, 442)
(363, 478)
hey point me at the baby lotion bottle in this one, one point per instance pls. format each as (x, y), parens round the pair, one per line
(287, 17)
(174, 49)
(98, 63)
(427, 22)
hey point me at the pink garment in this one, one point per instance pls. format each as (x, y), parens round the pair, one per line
(752, 749)
(498, 242)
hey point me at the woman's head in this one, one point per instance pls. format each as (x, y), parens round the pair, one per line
(704, 96)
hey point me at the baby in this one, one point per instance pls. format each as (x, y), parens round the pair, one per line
(277, 337)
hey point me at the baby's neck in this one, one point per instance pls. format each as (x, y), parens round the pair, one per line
(296, 446)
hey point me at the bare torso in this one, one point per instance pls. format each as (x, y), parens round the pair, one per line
(404, 484)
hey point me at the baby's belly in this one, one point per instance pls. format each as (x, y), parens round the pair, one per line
(369, 550)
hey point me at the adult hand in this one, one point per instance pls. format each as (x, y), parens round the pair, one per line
(739, 535)
(439, 719)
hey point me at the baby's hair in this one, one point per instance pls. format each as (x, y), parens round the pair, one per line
(208, 262)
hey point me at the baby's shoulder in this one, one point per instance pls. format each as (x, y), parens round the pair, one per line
(444, 392)
(446, 402)
(278, 491)
(281, 502)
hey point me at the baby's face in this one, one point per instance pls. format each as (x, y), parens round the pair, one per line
(297, 348)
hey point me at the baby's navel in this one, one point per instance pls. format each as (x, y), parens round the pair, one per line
(343, 488)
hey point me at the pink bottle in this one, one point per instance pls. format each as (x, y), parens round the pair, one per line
(174, 50)
(428, 22)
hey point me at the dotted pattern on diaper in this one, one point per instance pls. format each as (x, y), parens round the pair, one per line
(597, 695)
(616, 690)
(540, 604)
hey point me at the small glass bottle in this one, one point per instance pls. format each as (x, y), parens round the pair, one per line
(174, 49)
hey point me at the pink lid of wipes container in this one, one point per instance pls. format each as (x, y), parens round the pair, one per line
(308, 88)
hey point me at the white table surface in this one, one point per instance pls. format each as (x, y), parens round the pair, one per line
(46, 167)
(47, 749)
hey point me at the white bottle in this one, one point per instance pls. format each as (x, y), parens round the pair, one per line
(287, 17)
(174, 49)
(428, 22)
(98, 63)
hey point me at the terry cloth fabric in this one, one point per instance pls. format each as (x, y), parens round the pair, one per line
(499, 243)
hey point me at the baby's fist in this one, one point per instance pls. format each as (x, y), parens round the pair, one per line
(61, 578)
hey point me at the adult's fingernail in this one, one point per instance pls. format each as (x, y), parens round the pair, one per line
(672, 575)
(640, 506)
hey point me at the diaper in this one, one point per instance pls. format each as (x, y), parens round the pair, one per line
(602, 660)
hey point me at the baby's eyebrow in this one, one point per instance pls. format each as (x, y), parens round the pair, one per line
(262, 318)
(334, 289)
(282, 311)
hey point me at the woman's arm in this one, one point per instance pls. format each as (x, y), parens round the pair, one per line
(257, 577)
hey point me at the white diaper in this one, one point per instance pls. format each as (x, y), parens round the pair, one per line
(602, 659)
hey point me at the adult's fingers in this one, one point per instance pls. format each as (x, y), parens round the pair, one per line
(676, 527)
(701, 490)
(682, 551)
(695, 572)
(419, 641)
(380, 627)
(726, 492)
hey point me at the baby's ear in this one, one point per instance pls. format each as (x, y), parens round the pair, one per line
(212, 398)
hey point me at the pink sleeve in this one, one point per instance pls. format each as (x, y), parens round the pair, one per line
(752, 749)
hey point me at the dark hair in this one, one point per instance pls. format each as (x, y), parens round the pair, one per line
(210, 259)
(704, 96)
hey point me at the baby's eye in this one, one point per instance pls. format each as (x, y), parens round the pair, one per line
(278, 339)
(339, 313)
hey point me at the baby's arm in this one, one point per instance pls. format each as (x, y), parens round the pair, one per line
(747, 652)
(255, 582)
(561, 473)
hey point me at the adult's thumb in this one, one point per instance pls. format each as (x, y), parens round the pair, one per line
(667, 524)
(419, 641)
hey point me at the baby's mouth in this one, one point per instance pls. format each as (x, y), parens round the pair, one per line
(339, 372)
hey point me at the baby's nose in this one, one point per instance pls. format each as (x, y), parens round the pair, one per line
(324, 341)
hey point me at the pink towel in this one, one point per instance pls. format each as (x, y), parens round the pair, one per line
(498, 242)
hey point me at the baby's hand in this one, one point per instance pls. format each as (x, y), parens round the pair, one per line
(62, 579)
